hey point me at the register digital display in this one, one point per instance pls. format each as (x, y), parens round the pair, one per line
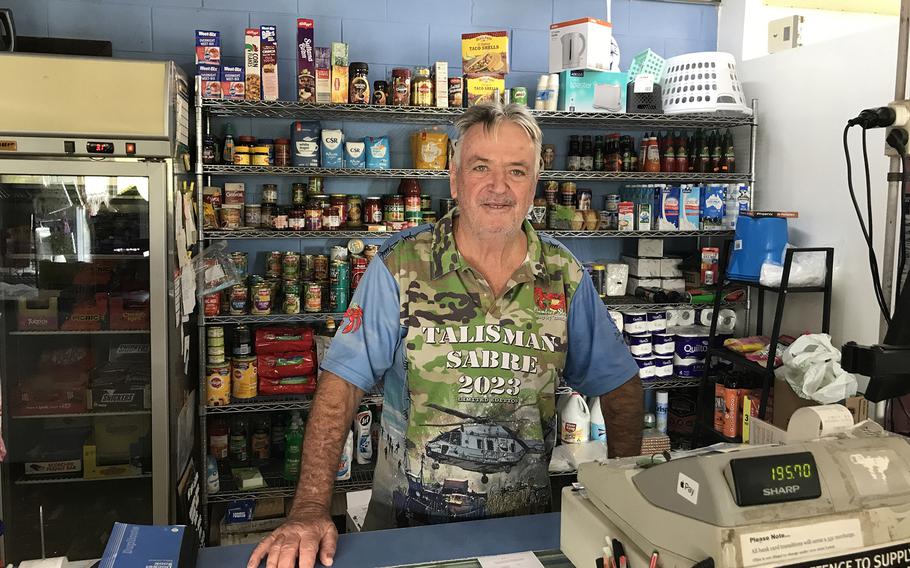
(775, 479)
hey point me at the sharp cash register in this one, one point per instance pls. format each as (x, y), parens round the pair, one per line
(838, 502)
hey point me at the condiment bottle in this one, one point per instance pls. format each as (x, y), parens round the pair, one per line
(227, 151)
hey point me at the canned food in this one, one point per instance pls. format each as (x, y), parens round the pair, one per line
(290, 265)
(261, 299)
(243, 342)
(307, 266)
(338, 298)
(252, 216)
(354, 211)
(340, 273)
(369, 251)
(260, 156)
(429, 216)
(584, 199)
(312, 217)
(372, 210)
(312, 297)
(244, 379)
(270, 193)
(413, 218)
(242, 156)
(291, 303)
(274, 285)
(291, 286)
(217, 385)
(217, 358)
(239, 260)
(358, 268)
(551, 193)
(426, 202)
(611, 202)
(231, 217)
(238, 304)
(338, 253)
(216, 342)
(273, 264)
(214, 331)
(215, 350)
(355, 246)
(520, 96)
(212, 304)
(320, 267)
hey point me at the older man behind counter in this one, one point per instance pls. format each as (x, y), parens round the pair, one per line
(470, 323)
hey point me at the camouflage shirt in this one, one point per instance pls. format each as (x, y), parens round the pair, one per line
(469, 415)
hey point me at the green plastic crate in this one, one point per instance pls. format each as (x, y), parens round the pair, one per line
(647, 62)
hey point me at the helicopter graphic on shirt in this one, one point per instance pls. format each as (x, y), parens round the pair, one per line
(479, 444)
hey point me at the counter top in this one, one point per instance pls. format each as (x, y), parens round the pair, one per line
(420, 544)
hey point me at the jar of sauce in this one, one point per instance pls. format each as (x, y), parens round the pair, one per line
(401, 86)
(359, 86)
(269, 193)
(282, 152)
(340, 201)
(260, 156)
(298, 193)
(354, 212)
(372, 210)
(393, 209)
(269, 145)
(422, 88)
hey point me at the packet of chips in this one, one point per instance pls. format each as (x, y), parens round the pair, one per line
(429, 149)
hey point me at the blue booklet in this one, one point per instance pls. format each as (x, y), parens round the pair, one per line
(148, 546)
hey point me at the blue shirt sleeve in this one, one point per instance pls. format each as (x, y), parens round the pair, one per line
(598, 360)
(364, 346)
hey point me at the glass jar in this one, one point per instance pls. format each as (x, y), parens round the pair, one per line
(269, 193)
(298, 193)
(260, 156)
(372, 210)
(422, 88)
(267, 215)
(315, 186)
(242, 156)
(209, 150)
(340, 201)
(426, 202)
(269, 145)
(401, 86)
(380, 92)
(282, 152)
(359, 86)
(393, 209)
(409, 189)
(331, 218)
(297, 218)
(312, 216)
(355, 212)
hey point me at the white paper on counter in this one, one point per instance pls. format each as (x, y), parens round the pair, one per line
(516, 560)
(811, 422)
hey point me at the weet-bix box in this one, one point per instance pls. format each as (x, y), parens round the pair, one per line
(232, 83)
(306, 61)
(269, 37)
(208, 47)
(210, 80)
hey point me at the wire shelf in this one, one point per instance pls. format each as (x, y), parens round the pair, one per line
(634, 303)
(279, 403)
(273, 318)
(83, 414)
(75, 477)
(665, 177)
(432, 115)
(269, 234)
(97, 332)
(278, 486)
(670, 383)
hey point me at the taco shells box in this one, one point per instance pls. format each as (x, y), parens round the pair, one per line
(486, 52)
(483, 88)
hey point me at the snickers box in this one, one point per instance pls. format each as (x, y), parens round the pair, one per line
(121, 397)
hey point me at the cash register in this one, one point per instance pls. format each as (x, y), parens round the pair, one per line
(841, 501)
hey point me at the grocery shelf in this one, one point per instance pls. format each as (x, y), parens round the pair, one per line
(90, 256)
(278, 486)
(667, 177)
(84, 414)
(739, 360)
(273, 318)
(790, 289)
(636, 303)
(270, 234)
(278, 403)
(75, 477)
(77, 332)
(432, 115)
(670, 383)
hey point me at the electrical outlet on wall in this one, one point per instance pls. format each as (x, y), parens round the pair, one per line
(785, 33)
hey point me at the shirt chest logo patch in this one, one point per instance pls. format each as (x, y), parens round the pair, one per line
(549, 303)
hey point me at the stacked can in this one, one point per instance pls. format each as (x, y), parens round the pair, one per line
(339, 285)
(217, 370)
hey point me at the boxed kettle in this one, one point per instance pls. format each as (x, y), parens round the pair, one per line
(586, 43)
(592, 91)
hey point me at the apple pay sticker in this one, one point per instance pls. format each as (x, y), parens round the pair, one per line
(687, 488)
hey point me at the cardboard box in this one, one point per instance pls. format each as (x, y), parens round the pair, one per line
(653, 248)
(626, 216)
(485, 52)
(643, 217)
(117, 438)
(667, 210)
(56, 467)
(38, 314)
(339, 84)
(643, 267)
(340, 54)
(484, 88)
(713, 206)
(233, 85)
(690, 208)
(124, 397)
(306, 61)
(208, 47)
(646, 282)
(323, 75)
(129, 312)
(592, 91)
(441, 82)
(586, 43)
(252, 64)
(270, 63)
(786, 402)
(670, 268)
(305, 142)
(710, 257)
(91, 469)
(209, 80)
(87, 316)
(617, 279)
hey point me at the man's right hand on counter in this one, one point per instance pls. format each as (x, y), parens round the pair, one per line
(303, 535)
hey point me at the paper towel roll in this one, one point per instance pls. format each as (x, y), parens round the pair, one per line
(686, 317)
(726, 320)
(617, 319)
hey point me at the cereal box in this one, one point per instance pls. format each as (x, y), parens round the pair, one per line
(252, 65)
(306, 62)
(210, 80)
(323, 75)
(340, 54)
(486, 52)
(208, 47)
(269, 48)
(483, 88)
(232, 84)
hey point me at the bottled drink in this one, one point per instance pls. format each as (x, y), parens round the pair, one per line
(643, 152)
(716, 151)
(293, 445)
(227, 150)
(239, 442)
(260, 442)
(587, 154)
(704, 154)
(729, 156)
(598, 153)
(668, 158)
(626, 153)
(573, 158)
(682, 153)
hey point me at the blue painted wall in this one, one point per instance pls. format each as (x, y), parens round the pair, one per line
(384, 33)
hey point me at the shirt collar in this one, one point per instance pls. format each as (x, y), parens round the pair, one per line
(446, 258)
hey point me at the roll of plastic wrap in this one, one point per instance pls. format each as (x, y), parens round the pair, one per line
(691, 343)
(663, 366)
(645, 366)
(662, 343)
(657, 321)
(688, 368)
(639, 344)
(635, 322)
(617, 319)
(726, 320)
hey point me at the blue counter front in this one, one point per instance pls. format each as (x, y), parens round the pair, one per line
(420, 544)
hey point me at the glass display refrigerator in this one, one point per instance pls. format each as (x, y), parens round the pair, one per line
(97, 398)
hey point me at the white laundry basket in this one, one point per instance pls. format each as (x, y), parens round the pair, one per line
(702, 82)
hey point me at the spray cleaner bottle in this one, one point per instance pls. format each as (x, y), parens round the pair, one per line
(293, 447)
(598, 427)
(347, 457)
(362, 425)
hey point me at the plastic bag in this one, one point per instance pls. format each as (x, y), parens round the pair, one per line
(811, 365)
(219, 271)
(567, 457)
(806, 269)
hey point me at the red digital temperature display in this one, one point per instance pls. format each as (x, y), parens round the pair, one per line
(99, 147)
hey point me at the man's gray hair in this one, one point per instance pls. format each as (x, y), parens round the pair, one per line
(492, 115)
